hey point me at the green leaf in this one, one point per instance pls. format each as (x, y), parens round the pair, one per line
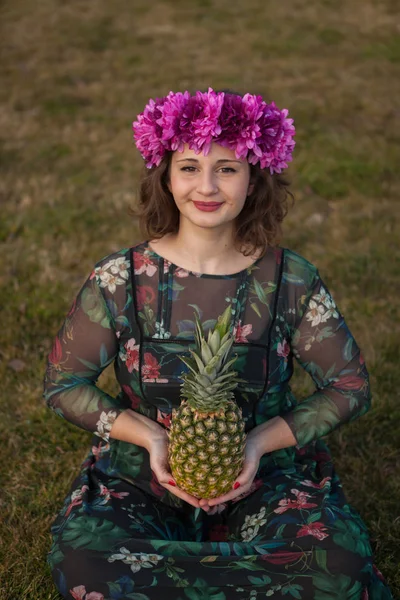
(209, 559)
(92, 533)
(255, 308)
(291, 278)
(84, 400)
(55, 556)
(259, 291)
(314, 517)
(320, 556)
(196, 308)
(94, 306)
(264, 580)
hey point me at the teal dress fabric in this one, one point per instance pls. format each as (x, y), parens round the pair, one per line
(120, 534)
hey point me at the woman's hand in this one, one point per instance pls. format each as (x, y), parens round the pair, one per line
(158, 450)
(253, 453)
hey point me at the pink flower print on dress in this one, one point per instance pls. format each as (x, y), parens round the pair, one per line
(76, 498)
(144, 264)
(56, 354)
(151, 369)
(283, 349)
(144, 295)
(134, 398)
(107, 493)
(164, 418)
(79, 593)
(318, 486)
(300, 502)
(131, 356)
(349, 382)
(100, 449)
(316, 529)
(179, 271)
(242, 331)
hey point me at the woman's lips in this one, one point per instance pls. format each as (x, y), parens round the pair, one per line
(208, 206)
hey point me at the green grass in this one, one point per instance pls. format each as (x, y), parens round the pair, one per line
(74, 76)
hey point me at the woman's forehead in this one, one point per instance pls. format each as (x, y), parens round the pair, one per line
(217, 152)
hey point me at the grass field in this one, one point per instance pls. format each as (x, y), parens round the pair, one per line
(74, 75)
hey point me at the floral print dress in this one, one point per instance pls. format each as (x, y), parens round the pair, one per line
(120, 534)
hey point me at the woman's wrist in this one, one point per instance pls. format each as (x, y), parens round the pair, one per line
(272, 435)
(137, 429)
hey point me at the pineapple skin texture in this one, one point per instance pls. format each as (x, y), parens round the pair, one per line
(206, 451)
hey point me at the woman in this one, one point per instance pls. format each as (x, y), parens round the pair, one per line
(210, 207)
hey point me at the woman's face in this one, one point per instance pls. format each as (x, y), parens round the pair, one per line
(209, 191)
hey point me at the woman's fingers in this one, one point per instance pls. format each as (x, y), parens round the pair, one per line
(165, 478)
(242, 484)
(183, 495)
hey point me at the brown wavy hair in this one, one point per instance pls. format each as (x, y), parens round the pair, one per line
(257, 226)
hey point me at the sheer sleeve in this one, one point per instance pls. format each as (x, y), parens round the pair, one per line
(84, 346)
(323, 345)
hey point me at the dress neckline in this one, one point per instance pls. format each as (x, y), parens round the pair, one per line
(197, 273)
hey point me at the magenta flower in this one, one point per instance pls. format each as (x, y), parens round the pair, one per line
(255, 130)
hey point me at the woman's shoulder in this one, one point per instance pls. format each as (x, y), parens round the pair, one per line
(118, 258)
(297, 268)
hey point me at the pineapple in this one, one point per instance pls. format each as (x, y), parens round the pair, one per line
(207, 438)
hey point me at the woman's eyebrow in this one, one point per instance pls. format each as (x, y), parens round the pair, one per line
(221, 160)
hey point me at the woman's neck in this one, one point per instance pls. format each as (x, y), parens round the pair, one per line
(203, 251)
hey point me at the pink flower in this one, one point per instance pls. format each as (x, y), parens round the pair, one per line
(94, 596)
(98, 450)
(56, 354)
(144, 295)
(315, 529)
(134, 398)
(107, 493)
(143, 264)
(132, 355)
(300, 502)
(148, 133)
(349, 382)
(257, 131)
(164, 418)
(78, 592)
(241, 332)
(321, 484)
(151, 369)
(76, 498)
(283, 349)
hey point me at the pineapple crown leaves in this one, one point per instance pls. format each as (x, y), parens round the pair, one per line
(210, 382)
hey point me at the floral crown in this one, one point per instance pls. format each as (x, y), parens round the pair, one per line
(257, 131)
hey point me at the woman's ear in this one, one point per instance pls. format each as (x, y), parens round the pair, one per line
(250, 189)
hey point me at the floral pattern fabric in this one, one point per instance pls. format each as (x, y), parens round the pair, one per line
(120, 534)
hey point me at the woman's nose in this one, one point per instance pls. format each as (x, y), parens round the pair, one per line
(207, 184)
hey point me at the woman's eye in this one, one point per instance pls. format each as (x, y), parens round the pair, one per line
(228, 170)
(188, 169)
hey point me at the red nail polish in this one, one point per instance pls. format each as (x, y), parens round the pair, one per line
(170, 482)
(236, 486)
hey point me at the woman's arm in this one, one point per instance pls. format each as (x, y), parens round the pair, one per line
(324, 346)
(84, 346)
